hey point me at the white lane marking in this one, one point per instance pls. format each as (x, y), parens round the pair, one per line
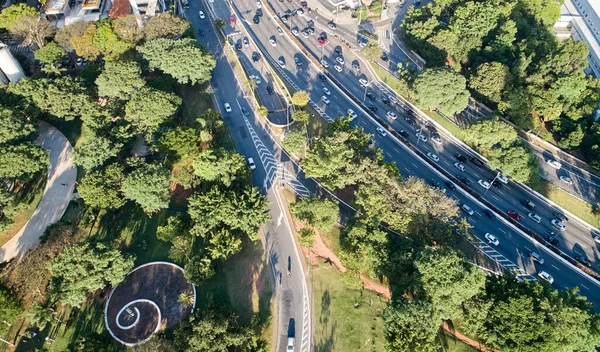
(527, 248)
(504, 232)
(521, 254)
(582, 285)
(555, 267)
(447, 163)
(476, 175)
(397, 151)
(415, 165)
(476, 213)
(491, 195)
(501, 192)
(388, 154)
(473, 220)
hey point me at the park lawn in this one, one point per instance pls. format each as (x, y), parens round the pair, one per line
(29, 196)
(450, 344)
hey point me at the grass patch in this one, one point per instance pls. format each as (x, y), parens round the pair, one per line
(345, 319)
(400, 87)
(584, 210)
(450, 344)
(28, 196)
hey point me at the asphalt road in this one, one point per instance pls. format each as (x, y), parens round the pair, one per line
(56, 197)
(513, 248)
(253, 141)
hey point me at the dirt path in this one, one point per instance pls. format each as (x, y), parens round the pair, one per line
(466, 339)
(319, 249)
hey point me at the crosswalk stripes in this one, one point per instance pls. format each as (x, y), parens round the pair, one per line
(501, 260)
(20, 48)
(272, 167)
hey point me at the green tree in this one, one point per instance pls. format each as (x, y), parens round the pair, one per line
(11, 14)
(182, 59)
(39, 315)
(517, 161)
(9, 207)
(182, 142)
(84, 268)
(15, 125)
(320, 213)
(148, 185)
(84, 44)
(372, 51)
(177, 225)
(186, 298)
(440, 88)
(34, 28)
(127, 28)
(220, 24)
(411, 326)
(50, 54)
(300, 98)
(120, 79)
(262, 111)
(198, 269)
(165, 25)
(220, 164)
(364, 247)
(448, 280)
(22, 161)
(294, 142)
(95, 151)
(545, 12)
(10, 307)
(101, 189)
(307, 237)
(572, 140)
(244, 210)
(148, 108)
(108, 43)
(301, 116)
(491, 132)
(64, 34)
(490, 80)
(156, 344)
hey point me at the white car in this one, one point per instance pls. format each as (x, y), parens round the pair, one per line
(201, 15)
(326, 91)
(325, 63)
(362, 44)
(392, 115)
(351, 113)
(338, 68)
(459, 166)
(492, 239)
(597, 239)
(467, 209)
(421, 137)
(558, 224)
(381, 131)
(258, 4)
(295, 32)
(363, 82)
(484, 184)
(305, 34)
(300, 12)
(325, 99)
(227, 107)
(503, 179)
(281, 63)
(340, 59)
(279, 30)
(566, 180)
(79, 62)
(355, 66)
(257, 80)
(436, 138)
(433, 157)
(545, 276)
(273, 42)
(251, 164)
(555, 164)
(290, 344)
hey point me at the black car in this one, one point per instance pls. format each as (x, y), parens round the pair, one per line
(259, 12)
(270, 90)
(460, 158)
(450, 185)
(201, 32)
(464, 180)
(310, 23)
(403, 133)
(372, 107)
(338, 50)
(384, 57)
(560, 216)
(256, 19)
(410, 121)
(489, 214)
(255, 56)
(476, 161)
(386, 101)
(322, 77)
(238, 46)
(550, 237)
(435, 183)
(497, 184)
(583, 260)
(371, 96)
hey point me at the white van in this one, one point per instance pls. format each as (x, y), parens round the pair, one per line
(535, 217)
(467, 209)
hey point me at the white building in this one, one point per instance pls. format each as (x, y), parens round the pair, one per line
(10, 69)
(580, 19)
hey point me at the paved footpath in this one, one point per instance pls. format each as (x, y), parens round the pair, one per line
(56, 196)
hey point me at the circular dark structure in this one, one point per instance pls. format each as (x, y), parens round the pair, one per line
(147, 301)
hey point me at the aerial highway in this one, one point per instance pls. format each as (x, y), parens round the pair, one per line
(513, 248)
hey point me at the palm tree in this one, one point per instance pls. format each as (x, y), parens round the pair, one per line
(186, 298)
(39, 315)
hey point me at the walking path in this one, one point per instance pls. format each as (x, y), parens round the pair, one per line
(57, 194)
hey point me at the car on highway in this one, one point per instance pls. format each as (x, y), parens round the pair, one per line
(459, 166)
(410, 121)
(251, 164)
(281, 62)
(256, 19)
(502, 179)
(372, 107)
(433, 157)
(558, 224)
(450, 185)
(566, 180)
(467, 209)
(325, 63)
(245, 111)
(290, 344)
(392, 115)
(340, 59)
(331, 25)
(371, 96)
(295, 31)
(227, 107)
(258, 4)
(270, 90)
(403, 133)
(436, 138)
(496, 183)
(255, 56)
(535, 256)
(484, 184)
(311, 24)
(492, 239)
(545, 276)
(338, 68)
(460, 158)
(550, 237)
(284, 18)
(513, 214)
(351, 113)
(583, 260)
(381, 131)
(356, 66)
(201, 15)
(325, 99)
(476, 161)
(384, 56)
(435, 183)
(259, 12)
(421, 137)
(386, 100)
(362, 44)
(555, 164)
(528, 204)
(464, 180)
(363, 81)
(246, 42)
(201, 32)
(279, 30)
(489, 214)
(304, 33)
(326, 91)
(273, 41)
(257, 80)
(597, 239)
(535, 217)
(322, 77)
(560, 216)
(300, 12)
(298, 61)
(238, 46)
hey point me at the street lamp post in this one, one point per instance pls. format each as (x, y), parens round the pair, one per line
(494, 180)
(365, 96)
(419, 134)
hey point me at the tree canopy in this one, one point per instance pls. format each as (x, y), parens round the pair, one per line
(95, 151)
(22, 160)
(149, 107)
(148, 185)
(11, 14)
(440, 88)
(120, 79)
(101, 189)
(165, 25)
(320, 213)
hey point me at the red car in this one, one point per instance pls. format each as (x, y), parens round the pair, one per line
(513, 214)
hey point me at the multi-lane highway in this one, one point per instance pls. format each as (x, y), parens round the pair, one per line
(253, 141)
(514, 247)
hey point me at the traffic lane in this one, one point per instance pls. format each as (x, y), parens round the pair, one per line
(272, 101)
